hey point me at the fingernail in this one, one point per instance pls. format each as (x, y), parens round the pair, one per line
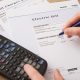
(66, 31)
(26, 66)
(56, 71)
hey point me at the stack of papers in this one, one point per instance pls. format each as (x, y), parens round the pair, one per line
(36, 24)
(6, 5)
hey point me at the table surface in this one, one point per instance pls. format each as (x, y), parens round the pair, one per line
(3, 78)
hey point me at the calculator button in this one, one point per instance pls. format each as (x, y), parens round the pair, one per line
(34, 64)
(37, 66)
(22, 64)
(5, 41)
(18, 69)
(18, 77)
(29, 62)
(22, 72)
(41, 61)
(1, 45)
(26, 60)
(14, 75)
(2, 60)
(21, 51)
(22, 57)
(6, 70)
(6, 56)
(11, 57)
(14, 67)
(7, 50)
(9, 65)
(18, 55)
(0, 40)
(28, 55)
(6, 62)
(10, 72)
(14, 53)
(2, 53)
(18, 62)
(24, 78)
(36, 60)
(25, 75)
(18, 48)
(7, 46)
(12, 44)
(12, 49)
(2, 67)
(32, 57)
(13, 61)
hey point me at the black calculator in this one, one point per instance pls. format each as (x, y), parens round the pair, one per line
(13, 57)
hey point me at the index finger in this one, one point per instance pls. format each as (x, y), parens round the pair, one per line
(33, 74)
(72, 21)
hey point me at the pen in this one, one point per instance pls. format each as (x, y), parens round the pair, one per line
(75, 25)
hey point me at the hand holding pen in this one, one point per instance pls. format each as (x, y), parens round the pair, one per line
(72, 27)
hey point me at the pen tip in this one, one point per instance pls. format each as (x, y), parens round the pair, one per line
(61, 33)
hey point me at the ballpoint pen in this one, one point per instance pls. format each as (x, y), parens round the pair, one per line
(75, 25)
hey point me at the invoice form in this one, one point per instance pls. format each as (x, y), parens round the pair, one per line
(39, 33)
(60, 51)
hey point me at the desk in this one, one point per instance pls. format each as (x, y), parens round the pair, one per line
(1, 77)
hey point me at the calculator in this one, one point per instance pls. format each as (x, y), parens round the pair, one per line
(13, 57)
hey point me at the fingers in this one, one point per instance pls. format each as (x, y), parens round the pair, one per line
(72, 31)
(72, 21)
(57, 75)
(33, 74)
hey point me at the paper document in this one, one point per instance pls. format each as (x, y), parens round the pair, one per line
(13, 4)
(39, 33)
(59, 51)
(42, 6)
(6, 5)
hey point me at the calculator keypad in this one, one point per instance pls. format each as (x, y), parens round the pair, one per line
(13, 57)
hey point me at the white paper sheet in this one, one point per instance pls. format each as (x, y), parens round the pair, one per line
(6, 5)
(38, 33)
(42, 6)
(15, 4)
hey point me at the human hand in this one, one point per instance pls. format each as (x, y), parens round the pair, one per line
(34, 75)
(70, 31)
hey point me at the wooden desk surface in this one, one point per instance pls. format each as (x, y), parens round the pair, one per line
(1, 77)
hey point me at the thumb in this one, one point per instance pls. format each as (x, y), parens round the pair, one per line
(33, 74)
(57, 75)
(72, 31)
